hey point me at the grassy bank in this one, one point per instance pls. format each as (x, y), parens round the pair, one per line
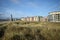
(30, 31)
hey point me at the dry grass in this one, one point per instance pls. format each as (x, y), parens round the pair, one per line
(30, 31)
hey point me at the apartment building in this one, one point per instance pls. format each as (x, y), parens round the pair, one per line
(31, 19)
(44, 19)
(54, 16)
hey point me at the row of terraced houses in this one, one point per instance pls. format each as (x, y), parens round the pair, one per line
(52, 17)
(34, 19)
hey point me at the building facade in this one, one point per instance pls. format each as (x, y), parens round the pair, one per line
(31, 19)
(54, 16)
(44, 19)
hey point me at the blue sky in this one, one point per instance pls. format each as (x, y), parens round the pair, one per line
(23, 8)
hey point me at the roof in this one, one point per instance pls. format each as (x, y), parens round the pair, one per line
(55, 12)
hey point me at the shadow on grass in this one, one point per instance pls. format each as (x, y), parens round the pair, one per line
(2, 31)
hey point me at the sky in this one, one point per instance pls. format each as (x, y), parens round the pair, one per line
(23, 8)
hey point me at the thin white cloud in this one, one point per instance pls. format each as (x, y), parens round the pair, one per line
(31, 4)
(15, 13)
(1, 13)
(15, 1)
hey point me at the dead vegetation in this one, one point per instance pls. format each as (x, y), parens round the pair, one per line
(13, 31)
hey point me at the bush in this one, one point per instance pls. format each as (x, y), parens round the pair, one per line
(16, 37)
(2, 31)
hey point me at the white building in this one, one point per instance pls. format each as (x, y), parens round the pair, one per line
(54, 16)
